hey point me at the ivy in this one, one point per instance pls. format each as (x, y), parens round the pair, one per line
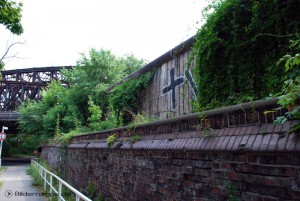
(124, 98)
(237, 48)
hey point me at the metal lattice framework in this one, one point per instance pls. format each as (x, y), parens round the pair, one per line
(17, 85)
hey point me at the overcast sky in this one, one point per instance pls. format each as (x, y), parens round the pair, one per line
(57, 31)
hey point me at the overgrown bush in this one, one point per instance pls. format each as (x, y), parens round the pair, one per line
(84, 106)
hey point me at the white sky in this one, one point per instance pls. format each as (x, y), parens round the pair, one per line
(57, 31)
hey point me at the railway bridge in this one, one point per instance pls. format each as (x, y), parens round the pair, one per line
(21, 84)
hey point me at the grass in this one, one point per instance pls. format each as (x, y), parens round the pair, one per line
(2, 169)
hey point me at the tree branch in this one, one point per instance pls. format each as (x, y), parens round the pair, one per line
(7, 50)
(14, 56)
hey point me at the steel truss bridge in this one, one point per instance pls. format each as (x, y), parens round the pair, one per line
(21, 84)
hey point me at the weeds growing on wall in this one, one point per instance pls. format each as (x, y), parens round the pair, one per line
(237, 49)
(232, 192)
(111, 140)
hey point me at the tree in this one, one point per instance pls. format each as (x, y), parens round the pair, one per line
(97, 71)
(84, 106)
(10, 16)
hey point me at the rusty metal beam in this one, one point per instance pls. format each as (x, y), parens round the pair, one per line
(40, 69)
(17, 85)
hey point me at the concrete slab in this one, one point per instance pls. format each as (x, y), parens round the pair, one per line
(17, 185)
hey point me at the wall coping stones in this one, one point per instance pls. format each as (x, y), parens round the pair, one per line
(239, 128)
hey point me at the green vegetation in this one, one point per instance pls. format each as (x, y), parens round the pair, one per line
(10, 16)
(124, 97)
(99, 197)
(291, 88)
(91, 190)
(111, 140)
(135, 138)
(2, 169)
(238, 47)
(34, 172)
(231, 191)
(38, 181)
(236, 61)
(84, 106)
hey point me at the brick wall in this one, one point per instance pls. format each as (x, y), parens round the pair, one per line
(174, 161)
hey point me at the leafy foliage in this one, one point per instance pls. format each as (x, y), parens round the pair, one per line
(84, 106)
(124, 98)
(290, 92)
(96, 115)
(235, 55)
(10, 16)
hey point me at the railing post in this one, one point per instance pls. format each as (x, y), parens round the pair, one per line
(51, 186)
(45, 181)
(59, 191)
(43, 174)
(40, 171)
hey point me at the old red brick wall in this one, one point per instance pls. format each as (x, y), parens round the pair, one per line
(175, 161)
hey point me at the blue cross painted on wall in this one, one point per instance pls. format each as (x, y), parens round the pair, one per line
(172, 86)
(176, 82)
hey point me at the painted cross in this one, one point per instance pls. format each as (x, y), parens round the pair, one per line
(172, 86)
(176, 82)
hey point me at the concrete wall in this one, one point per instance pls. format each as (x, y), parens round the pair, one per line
(175, 161)
(172, 88)
(162, 98)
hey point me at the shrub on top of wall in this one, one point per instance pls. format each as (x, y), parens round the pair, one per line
(238, 47)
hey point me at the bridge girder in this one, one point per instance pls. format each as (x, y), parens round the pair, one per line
(17, 85)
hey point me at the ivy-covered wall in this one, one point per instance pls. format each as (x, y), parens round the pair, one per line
(238, 48)
(234, 59)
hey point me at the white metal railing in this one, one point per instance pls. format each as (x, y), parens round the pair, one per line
(44, 174)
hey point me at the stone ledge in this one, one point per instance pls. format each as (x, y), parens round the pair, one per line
(239, 128)
(263, 138)
(241, 115)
